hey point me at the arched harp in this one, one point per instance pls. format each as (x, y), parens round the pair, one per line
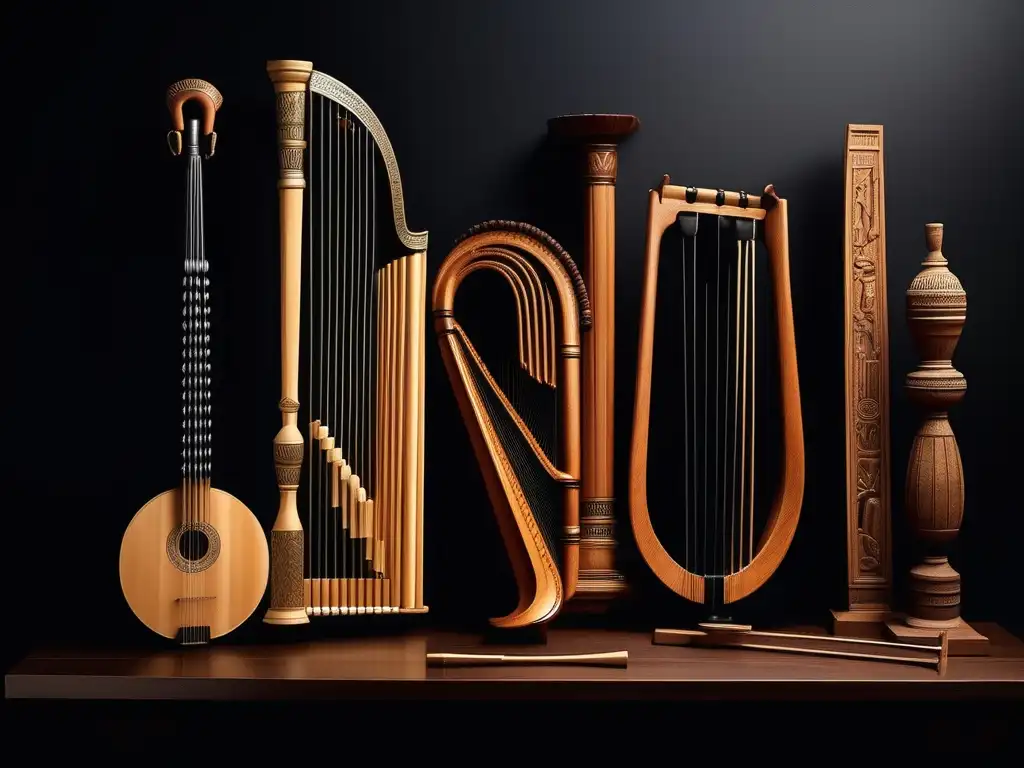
(522, 408)
(726, 422)
(349, 455)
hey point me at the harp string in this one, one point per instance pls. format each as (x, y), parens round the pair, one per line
(542, 492)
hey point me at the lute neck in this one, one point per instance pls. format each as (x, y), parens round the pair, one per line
(196, 408)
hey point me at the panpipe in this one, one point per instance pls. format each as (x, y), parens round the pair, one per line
(728, 439)
(348, 537)
(519, 397)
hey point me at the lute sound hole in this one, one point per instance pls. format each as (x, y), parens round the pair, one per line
(193, 547)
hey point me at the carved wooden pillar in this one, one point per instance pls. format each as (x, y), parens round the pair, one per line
(597, 138)
(936, 312)
(866, 350)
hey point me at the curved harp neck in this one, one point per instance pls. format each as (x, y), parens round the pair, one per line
(535, 493)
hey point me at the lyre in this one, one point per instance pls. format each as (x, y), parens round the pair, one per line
(722, 560)
(349, 530)
(532, 479)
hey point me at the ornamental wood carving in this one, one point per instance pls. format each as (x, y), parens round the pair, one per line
(868, 505)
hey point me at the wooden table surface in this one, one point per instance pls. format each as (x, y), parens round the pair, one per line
(395, 668)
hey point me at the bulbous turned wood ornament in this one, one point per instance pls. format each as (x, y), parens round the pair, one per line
(936, 312)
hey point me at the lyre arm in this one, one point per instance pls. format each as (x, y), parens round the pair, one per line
(785, 510)
(665, 567)
(333, 89)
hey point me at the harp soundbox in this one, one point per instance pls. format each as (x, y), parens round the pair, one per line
(349, 455)
(523, 418)
(729, 259)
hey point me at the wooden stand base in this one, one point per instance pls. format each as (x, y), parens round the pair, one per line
(867, 624)
(964, 640)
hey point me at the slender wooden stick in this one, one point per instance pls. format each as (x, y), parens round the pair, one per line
(609, 659)
(872, 650)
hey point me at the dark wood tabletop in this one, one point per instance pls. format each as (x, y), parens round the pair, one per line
(395, 668)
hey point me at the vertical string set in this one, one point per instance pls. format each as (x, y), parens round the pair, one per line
(342, 361)
(718, 468)
(196, 407)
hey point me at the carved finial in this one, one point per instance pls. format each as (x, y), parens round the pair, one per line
(192, 89)
(933, 240)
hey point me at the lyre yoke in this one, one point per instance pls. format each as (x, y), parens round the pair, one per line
(353, 298)
(721, 559)
(532, 478)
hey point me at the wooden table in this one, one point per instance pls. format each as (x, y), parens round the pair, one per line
(394, 668)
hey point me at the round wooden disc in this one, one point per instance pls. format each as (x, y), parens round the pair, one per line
(603, 129)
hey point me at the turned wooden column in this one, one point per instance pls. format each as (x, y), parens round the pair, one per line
(596, 138)
(936, 312)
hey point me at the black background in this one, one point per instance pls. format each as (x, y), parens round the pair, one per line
(732, 95)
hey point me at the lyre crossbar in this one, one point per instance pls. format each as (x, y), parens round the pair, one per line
(531, 472)
(716, 350)
(349, 455)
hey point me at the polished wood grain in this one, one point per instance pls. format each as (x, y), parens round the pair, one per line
(521, 253)
(220, 596)
(392, 668)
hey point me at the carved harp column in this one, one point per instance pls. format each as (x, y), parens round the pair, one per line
(728, 457)
(287, 605)
(866, 351)
(936, 312)
(524, 425)
(596, 137)
(349, 456)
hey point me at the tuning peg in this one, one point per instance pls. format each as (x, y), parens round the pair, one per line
(174, 142)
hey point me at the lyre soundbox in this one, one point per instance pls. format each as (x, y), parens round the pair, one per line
(348, 537)
(519, 396)
(717, 457)
(194, 559)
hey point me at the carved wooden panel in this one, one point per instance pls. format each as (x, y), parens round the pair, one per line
(869, 525)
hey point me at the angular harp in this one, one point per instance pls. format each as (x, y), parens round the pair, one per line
(360, 342)
(525, 434)
(716, 367)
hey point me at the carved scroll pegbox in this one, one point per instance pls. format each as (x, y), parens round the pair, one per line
(210, 99)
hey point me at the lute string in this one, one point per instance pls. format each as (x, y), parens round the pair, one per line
(204, 403)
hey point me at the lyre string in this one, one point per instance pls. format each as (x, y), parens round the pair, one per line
(686, 425)
(717, 509)
(753, 377)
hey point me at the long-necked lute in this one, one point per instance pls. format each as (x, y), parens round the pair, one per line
(194, 560)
